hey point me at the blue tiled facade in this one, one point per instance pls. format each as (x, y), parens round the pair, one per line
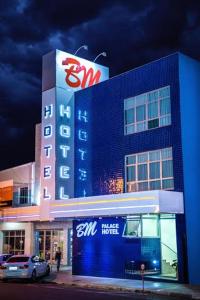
(105, 105)
(107, 145)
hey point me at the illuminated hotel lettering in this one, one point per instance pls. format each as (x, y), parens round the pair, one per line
(82, 116)
(65, 150)
(82, 135)
(64, 172)
(46, 196)
(62, 194)
(47, 172)
(82, 153)
(48, 111)
(48, 131)
(65, 111)
(65, 132)
(47, 149)
(86, 229)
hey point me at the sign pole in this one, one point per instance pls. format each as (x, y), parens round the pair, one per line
(142, 268)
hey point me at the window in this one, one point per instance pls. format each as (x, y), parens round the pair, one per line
(23, 195)
(142, 226)
(147, 111)
(149, 171)
(14, 241)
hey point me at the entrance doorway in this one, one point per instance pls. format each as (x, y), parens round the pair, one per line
(48, 241)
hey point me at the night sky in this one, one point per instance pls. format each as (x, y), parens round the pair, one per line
(131, 32)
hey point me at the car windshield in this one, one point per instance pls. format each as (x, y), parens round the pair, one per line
(18, 259)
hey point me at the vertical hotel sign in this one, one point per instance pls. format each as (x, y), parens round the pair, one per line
(63, 74)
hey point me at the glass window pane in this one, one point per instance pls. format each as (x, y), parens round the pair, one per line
(142, 172)
(129, 116)
(166, 153)
(132, 187)
(130, 129)
(153, 110)
(140, 113)
(143, 186)
(140, 99)
(150, 227)
(141, 126)
(131, 159)
(131, 173)
(142, 157)
(168, 184)
(155, 185)
(165, 106)
(133, 228)
(164, 92)
(129, 103)
(153, 96)
(154, 170)
(153, 123)
(167, 168)
(164, 121)
(154, 155)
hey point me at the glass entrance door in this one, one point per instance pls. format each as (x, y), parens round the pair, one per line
(48, 243)
(169, 258)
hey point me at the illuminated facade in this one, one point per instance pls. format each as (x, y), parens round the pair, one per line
(111, 168)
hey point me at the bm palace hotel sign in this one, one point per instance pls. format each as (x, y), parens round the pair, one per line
(64, 74)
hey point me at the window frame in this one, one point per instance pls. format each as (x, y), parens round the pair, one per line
(148, 162)
(21, 197)
(145, 122)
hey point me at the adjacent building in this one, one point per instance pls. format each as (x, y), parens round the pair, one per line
(115, 177)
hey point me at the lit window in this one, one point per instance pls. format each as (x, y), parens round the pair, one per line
(141, 226)
(147, 111)
(149, 171)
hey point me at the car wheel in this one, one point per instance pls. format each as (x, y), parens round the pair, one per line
(47, 271)
(33, 276)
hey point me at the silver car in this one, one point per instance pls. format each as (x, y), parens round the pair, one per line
(23, 266)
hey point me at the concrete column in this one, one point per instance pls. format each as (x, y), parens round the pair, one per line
(65, 246)
(1, 242)
(29, 239)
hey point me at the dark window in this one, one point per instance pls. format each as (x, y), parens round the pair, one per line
(23, 195)
(153, 123)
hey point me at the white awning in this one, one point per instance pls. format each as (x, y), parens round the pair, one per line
(119, 204)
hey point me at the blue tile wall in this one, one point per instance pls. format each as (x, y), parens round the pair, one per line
(111, 255)
(107, 143)
(105, 105)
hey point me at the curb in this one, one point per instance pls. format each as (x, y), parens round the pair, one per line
(124, 289)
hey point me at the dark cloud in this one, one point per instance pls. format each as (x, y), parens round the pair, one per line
(131, 32)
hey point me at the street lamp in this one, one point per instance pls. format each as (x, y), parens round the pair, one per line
(100, 54)
(85, 47)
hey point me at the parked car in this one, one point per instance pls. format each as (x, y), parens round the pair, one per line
(4, 258)
(24, 266)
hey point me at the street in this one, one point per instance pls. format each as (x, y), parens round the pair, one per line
(24, 291)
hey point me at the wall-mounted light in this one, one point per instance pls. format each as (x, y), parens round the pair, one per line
(85, 47)
(100, 54)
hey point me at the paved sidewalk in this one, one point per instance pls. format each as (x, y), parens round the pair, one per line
(126, 285)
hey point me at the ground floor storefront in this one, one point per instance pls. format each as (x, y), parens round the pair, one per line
(118, 246)
(41, 238)
(106, 236)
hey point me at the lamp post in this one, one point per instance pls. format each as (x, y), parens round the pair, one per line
(100, 54)
(85, 47)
